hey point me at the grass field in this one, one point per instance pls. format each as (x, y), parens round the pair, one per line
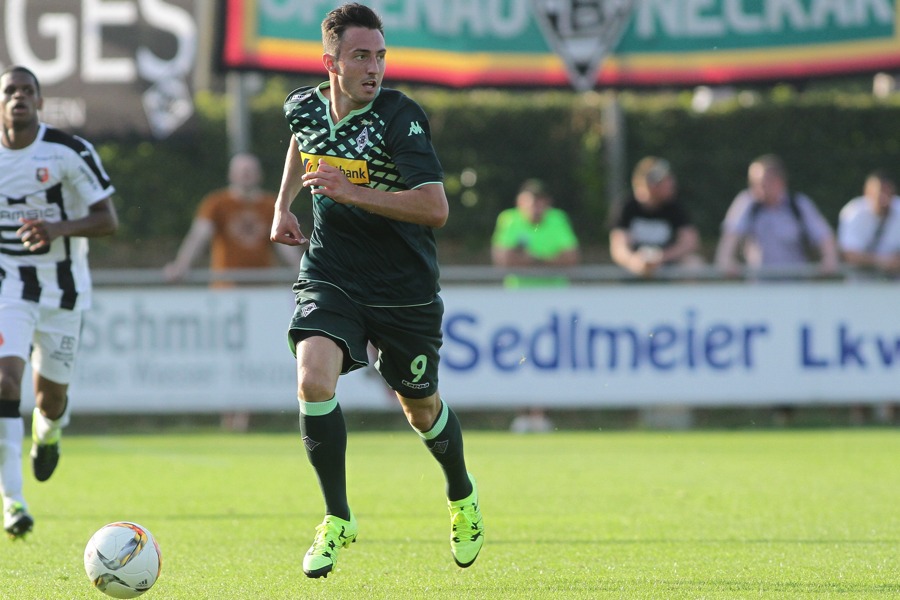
(779, 514)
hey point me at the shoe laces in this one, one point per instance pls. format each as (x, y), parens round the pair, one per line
(328, 534)
(466, 523)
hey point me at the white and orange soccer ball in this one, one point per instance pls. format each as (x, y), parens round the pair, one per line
(122, 559)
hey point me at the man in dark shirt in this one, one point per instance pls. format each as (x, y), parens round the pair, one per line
(652, 229)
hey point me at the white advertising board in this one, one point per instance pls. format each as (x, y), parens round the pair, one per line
(162, 350)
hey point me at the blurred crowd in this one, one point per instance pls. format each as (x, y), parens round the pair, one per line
(770, 229)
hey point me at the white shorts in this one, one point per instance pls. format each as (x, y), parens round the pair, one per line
(48, 336)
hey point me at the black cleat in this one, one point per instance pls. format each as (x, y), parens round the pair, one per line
(44, 458)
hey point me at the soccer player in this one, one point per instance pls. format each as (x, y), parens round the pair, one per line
(54, 193)
(370, 272)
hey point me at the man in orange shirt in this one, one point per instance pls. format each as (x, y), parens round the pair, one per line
(234, 223)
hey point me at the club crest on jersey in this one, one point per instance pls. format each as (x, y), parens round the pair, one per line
(362, 140)
(42, 174)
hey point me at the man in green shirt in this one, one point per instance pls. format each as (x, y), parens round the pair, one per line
(534, 234)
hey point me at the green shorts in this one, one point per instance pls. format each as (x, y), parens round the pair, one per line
(408, 338)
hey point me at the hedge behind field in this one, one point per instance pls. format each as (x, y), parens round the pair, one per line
(489, 141)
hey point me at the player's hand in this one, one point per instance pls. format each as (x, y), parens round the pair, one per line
(331, 182)
(36, 234)
(173, 272)
(286, 230)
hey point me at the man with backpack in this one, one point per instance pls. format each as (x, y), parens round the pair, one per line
(769, 227)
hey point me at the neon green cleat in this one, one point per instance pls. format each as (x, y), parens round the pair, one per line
(17, 522)
(466, 528)
(332, 534)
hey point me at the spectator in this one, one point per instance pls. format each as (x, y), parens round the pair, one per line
(234, 222)
(774, 226)
(869, 241)
(534, 234)
(869, 227)
(652, 229)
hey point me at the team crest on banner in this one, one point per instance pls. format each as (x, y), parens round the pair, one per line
(583, 33)
(43, 174)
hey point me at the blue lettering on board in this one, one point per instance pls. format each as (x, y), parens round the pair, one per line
(851, 349)
(567, 342)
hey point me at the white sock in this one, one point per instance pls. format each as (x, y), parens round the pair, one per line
(12, 432)
(47, 429)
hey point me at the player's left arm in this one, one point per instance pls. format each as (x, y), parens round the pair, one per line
(101, 220)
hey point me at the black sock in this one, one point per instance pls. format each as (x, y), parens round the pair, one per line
(325, 438)
(445, 442)
(9, 409)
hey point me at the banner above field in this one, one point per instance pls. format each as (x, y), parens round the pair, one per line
(107, 68)
(582, 43)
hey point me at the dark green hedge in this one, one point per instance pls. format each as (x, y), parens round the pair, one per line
(489, 141)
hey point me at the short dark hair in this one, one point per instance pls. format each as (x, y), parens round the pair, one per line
(26, 71)
(352, 14)
(650, 170)
(773, 163)
(535, 187)
(880, 175)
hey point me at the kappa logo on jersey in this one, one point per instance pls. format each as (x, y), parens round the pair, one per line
(356, 170)
(362, 140)
(304, 312)
(415, 129)
(42, 174)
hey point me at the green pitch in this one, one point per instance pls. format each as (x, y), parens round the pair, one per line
(810, 514)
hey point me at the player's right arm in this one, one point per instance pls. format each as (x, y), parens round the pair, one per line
(285, 227)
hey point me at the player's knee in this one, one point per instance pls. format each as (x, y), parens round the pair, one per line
(311, 389)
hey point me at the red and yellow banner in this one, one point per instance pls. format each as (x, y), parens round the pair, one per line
(580, 42)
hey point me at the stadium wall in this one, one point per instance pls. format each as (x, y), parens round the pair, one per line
(193, 350)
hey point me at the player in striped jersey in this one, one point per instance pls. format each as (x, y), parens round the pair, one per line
(54, 194)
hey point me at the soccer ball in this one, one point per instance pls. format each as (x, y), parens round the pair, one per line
(122, 560)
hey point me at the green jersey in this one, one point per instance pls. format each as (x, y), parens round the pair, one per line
(549, 238)
(385, 145)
